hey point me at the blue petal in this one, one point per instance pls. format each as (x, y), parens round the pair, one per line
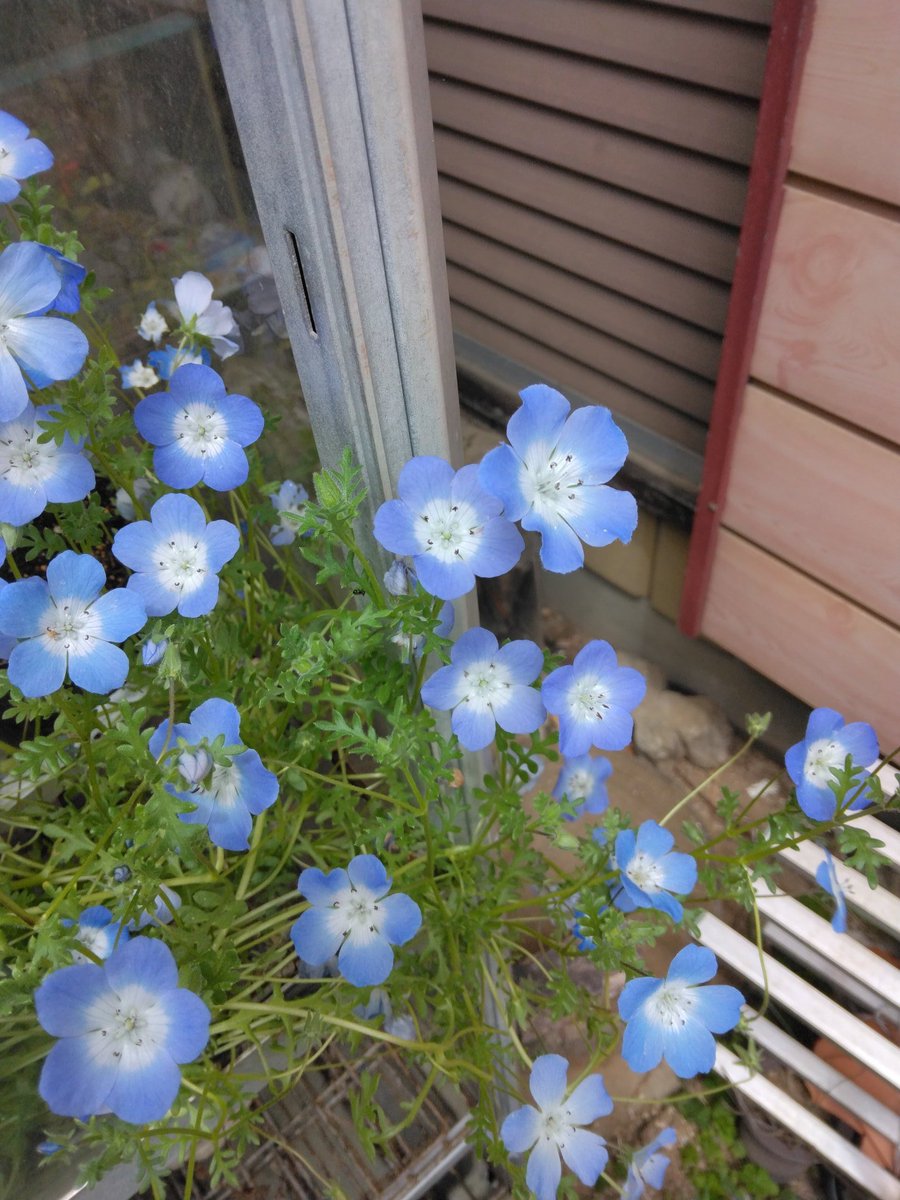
(613, 731)
(174, 514)
(176, 468)
(718, 1006)
(47, 348)
(229, 827)
(145, 961)
(121, 614)
(19, 505)
(423, 480)
(197, 382)
(679, 872)
(555, 690)
(154, 418)
(544, 1170)
(228, 469)
(643, 1042)
(475, 727)
(625, 848)
(585, 1153)
(520, 1129)
(561, 551)
(259, 786)
(520, 709)
(599, 445)
(597, 659)
(35, 670)
(222, 543)
(795, 760)
(539, 421)
(498, 549)
(635, 993)
(72, 1082)
(103, 669)
(201, 601)
(576, 736)
(446, 580)
(690, 1050)
(157, 599)
(245, 420)
(65, 997)
(466, 489)
(822, 723)
(214, 717)
(474, 646)
(394, 528)
(11, 128)
(22, 607)
(627, 687)
(75, 576)
(588, 1101)
(135, 545)
(548, 1080)
(72, 479)
(819, 803)
(315, 937)
(365, 960)
(692, 964)
(321, 887)
(367, 872)
(607, 515)
(147, 1094)
(443, 690)
(188, 1030)
(860, 741)
(31, 156)
(522, 659)
(28, 280)
(13, 392)
(400, 918)
(498, 473)
(654, 840)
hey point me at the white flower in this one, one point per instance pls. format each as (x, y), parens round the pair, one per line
(152, 327)
(213, 319)
(139, 376)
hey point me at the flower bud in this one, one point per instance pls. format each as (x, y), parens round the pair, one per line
(195, 765)
(398, 578)
(152, 652)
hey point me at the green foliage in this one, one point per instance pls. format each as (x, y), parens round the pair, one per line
(715, 1161)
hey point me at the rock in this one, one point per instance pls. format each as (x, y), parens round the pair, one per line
(671, 725)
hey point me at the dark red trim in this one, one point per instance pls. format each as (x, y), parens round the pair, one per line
(791, 31)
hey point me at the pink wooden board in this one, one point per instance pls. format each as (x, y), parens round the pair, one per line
(807, 638)
(849, 110)
(819, 495)
(829, 331)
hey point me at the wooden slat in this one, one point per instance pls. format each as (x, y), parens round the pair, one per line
(709, 122)
(646, 328)
(818, 494)
(669, 233)
(849, 110)
(699, 184)
(804, 636)
(679, 389)
(715, 53)
(564, 372)
(643, 277)
(878, 904)
(759, 11)
(828, 331)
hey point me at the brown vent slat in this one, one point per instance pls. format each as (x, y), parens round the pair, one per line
(758, 11)
(681, 45)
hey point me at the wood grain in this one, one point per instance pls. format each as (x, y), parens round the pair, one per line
(828, 332)
(806, 637)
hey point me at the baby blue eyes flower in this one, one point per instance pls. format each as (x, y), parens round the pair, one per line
(153, 324)
(71, 277)
(211, 318)
(593, 699)
(552, 474)
(138, 376)
(486, 686)
(21, 156)
(827, 878)
(152, 652)
(98, 932)
(41, 348)
(66, 626)
(352, 915)
(674, 1018)
(651, 870)
(199, 430)
(176, 557)
(33, 473)
(553, 1128)
(123, 1028)
(582, 781)
(825, 748)
(163, 912)
(648, 1167)
(289, 499)
(449, 526)
(167, 361)
(225, 798)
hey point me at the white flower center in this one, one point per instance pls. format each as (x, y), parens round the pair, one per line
(556, 1124)
(579, 785)
(671, 1006)
(645, 872)
(821, 757)
(356, 912)
(182, 563)
(448, 530)
(24, 461)
(485, 682)
(127, 1028)
(225, 785)
(200, 430)
(552, 482)
(95, 938)
(69, 627)
(588, 698)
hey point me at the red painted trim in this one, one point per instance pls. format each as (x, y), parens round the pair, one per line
(791, 31)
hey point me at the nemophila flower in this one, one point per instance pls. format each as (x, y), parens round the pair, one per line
(176, 557)
(487, 686)
(827, 878)
(226, 798)
(593, 699)
(167, 361)
(33, 347)
(552, 475)
(826, 747)
(199, 431)
(211, 318)
(21, 156)
(554, 1128)
(36, 473)
(138, 375)
(98, 932)
(66, 626)
(648, 1167)
(379, 1005)
(399, 579)
(674, 1018)
(152, 652)
(651, 870)
(582, 781)
(352, 915)
(124, 1028)
(449, 526)
(6, 642)
(47, 1147)
(163, 912)
(153, 324)
(287, 501)
(71, 277)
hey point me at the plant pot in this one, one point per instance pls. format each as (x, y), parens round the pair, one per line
(770, 1146)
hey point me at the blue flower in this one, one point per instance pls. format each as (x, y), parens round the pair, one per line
(176, 556)
(211, 318)
(827, 878)
(199, 431)
(449, 526)
(551, 477)
(225, 798)
(582, 781)
(6, 643)
(41, 348)
(648, 1167)
(36, 473)
(137, 375)
(65, 625)
(289, 498)
(352, 915)
(651, 870)
(20, 156)
(486, 687)
(673, 1018)
(124, 1028)
(71, 277)
(553, 1128)
(825, 748)
(98, 932)
(152, 652)
(153, 324)
(167, 904)
(167, 361)
(593, 699)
